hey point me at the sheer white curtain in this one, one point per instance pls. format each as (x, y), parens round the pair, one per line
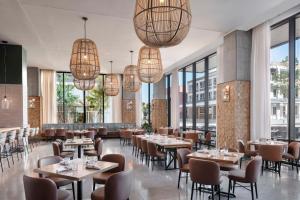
(117, 106)
(175, 100)
(138, 108)
(48, 92)
(260, 82)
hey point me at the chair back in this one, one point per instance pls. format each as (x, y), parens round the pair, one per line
(20, 134)
(39, 188)
(89, 134)
(145, 146)
(69, 134)
(182, 156)
(204, 172)
(133, 140)
(208, 137)
(139, 142)
(293, 149)
(3, 136)
(102, 131)
(241, 146)
(11, 136)
(271, 152)
(60, 132)
(115, 158)
(118, 186)
(98, 146)
(94, 130)
(192, 136)
(56, 148)
(49, 160)
(152, 151)
(176, 132)
(253, 169)
(50, 132)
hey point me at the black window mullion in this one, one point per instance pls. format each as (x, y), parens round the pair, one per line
(184, 99)
(103, 98)
(64, 119)
(291, 101)
(149, 104)
(206, 94)
(169, 98)
(194, 114)
(84, 108)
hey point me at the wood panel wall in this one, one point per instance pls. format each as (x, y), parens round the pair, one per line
(233, 116)
(159, 114)
(34, 111)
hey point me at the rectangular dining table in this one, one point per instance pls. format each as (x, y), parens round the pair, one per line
(169, 144)
(228, 159)
(79, 142)
(78, 174)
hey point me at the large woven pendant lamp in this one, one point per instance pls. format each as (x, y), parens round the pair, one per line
(162, 23)
(84, 63)
(84, 84)
(131, 81)
(111, 83)
(150, 68)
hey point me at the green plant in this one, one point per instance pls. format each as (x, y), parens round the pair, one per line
(148, 127)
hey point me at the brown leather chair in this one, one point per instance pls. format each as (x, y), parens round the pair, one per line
(101, 178)
(145, 151)
(194, 137)
(60, 133)
(154, 153)
(134, 144)
(43, 189)
(97, 151)
(102, 132)
(292, 155)
(249, 175)
(61, 146)
(70, 135)
(205, 172)
(89, 134)
(271, 153)
(117, 187)
(139, 145)
(176, 132)
(183, 163)
(50, 160)
(57, 151)
(50, 134)
(247, 153)
(207, 140)
(94, 130)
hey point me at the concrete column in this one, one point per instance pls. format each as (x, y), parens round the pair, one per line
(233, 114)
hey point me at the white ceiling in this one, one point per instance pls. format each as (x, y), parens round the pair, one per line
(48, 28)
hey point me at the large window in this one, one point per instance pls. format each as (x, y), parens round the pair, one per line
(285, 79)
(77, 106)
(197, 95)
(147, 96)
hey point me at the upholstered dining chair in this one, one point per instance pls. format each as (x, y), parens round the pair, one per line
(60, 133)
(134, 144)
(292, 155)
(50, 160)
(139, 145)
(249, 175)
(271, 154)
(97, 151)
(247, 153)
(154, 154)
(57, 151)
(183, 163)
(205, 172)
(194, 137)
(43, 189)
(117, 187)
(89, 134)
(101, 178)
(145, 152)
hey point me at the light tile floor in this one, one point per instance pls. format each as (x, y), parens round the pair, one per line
(149, 185)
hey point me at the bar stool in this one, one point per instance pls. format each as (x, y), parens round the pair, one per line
(11, 143)
(3, 149)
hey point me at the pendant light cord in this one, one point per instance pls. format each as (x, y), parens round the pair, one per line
(131, 56)
(4, 70)
(111, 66)
(84, 27)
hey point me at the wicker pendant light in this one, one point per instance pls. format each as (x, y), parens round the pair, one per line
(84, 63)
(150, 68)
(162, 23)
(84, 84)
(111, 83)
(131, 81)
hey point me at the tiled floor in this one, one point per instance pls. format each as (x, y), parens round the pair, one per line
(155, 185)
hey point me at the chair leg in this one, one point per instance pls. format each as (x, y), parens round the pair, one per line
(241, 162)
(255, 185)
(192, 192)
(1, 164)
(179, 179)
(73, 190)
(229, 186)
(233, 190)
(186, 178)
(262, 167)
(94, 186)
(252, 196)
(212, 192)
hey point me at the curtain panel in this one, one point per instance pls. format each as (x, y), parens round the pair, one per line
(48, 93)
(175, 100)
(260, 82)
(117, 106)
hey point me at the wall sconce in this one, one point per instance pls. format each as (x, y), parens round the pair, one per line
(226, 93)
(31, 103)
